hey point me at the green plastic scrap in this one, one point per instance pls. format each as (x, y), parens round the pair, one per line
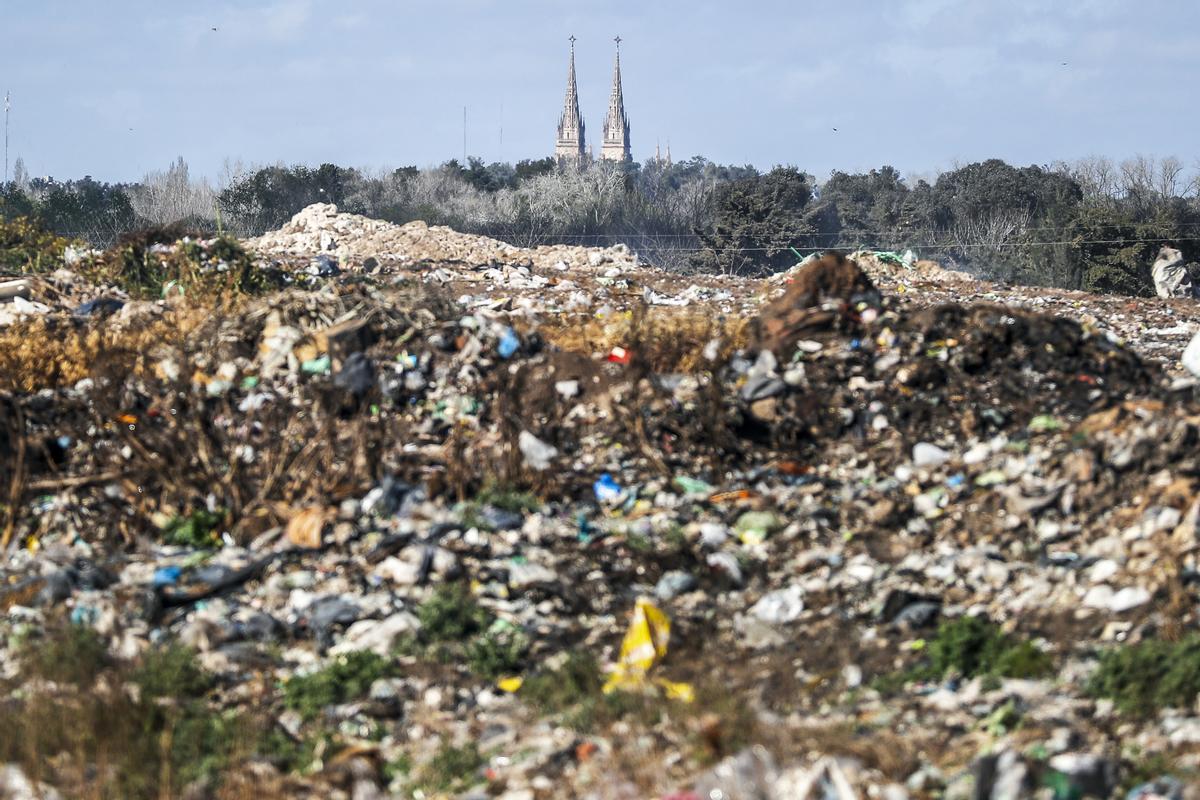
(993, 477)
(1062, 786)
(317, 366)
(753, 527)
(888, 257)
(1044, 423)
(691, 485)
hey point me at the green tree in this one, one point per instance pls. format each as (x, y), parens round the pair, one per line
(759, 219)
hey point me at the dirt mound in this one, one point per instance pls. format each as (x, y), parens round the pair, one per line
(820, 293)
(885, 266)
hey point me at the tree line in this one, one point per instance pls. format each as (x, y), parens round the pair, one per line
(1093, 224)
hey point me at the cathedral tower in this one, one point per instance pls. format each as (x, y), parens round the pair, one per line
(616, 124)
(569, 148)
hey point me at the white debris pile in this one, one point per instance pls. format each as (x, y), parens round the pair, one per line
(353, 238)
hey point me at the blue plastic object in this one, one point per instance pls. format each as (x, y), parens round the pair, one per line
(509, 343)
(167, 576)
(607, 490)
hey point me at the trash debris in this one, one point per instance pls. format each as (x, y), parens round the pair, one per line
(406, 507)
(753, 527)
(644, 645)
(508, 344)
(781, 606)
(608, 491)
(305, 529)
(1171, 275)
(538, 454)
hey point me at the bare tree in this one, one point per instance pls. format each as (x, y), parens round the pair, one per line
(992, 231)
(1097, 176)
(171, 196)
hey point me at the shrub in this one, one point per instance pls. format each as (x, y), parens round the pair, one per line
(1141, 678)
(972, 646)
(152, 263)
(498, 651)
(451, 615)
(25, 246)
(348, 677)
(197, 530)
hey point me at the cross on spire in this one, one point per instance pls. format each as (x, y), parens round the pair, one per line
(618, 41)
(572, 39)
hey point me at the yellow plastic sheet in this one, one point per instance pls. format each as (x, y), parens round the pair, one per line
(510, 685)
(644, 645)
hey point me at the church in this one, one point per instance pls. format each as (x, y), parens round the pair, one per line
(570, 149)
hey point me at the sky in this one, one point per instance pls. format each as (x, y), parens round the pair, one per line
(118, 88)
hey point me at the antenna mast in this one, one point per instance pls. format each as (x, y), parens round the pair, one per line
(7, 106)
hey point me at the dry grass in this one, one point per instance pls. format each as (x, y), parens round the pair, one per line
(48, 353)
(659, 339)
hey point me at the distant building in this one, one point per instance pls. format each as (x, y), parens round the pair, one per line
(570, 147)
(616, 124)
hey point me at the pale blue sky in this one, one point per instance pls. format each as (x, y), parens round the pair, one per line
(919, 84)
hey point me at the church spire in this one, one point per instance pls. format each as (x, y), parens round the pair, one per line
(616, 124)
(569, 147)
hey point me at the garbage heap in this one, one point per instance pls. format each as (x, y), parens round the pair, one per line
(359, 537)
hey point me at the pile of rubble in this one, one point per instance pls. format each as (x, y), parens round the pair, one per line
(353, 239)
(423, 537)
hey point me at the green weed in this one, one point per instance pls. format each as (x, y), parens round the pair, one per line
(451, 614)
(971, 647)
(198, 530)
(1142, 678)
(348, 677)
(27, 247)
(451, 768)
(75, 655)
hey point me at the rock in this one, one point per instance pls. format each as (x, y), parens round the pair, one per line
(760, 388)
(415, 564)
(1103, 597)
